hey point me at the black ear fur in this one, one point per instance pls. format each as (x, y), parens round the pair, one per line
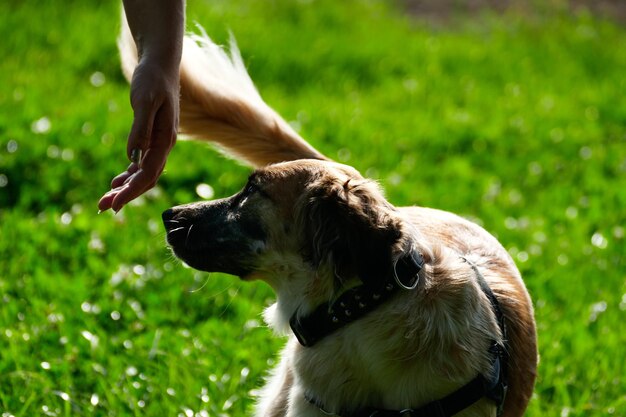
(349, 225)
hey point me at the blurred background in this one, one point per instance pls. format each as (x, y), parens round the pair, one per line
(511, 114)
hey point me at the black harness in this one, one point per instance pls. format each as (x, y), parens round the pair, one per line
(359, 301)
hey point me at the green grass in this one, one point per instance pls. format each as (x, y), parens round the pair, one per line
(517, 122)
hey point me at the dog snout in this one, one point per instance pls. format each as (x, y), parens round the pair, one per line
(173, 218)
(177, 226)
(167, 215)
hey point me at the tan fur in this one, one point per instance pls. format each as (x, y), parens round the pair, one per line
(417, 347)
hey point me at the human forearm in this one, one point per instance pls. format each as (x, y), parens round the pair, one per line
(158, 28)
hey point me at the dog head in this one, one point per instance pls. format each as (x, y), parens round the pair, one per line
(301, 218)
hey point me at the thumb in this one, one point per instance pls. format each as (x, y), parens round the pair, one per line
(141, 131)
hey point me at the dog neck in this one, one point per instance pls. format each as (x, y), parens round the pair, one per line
(300, 293)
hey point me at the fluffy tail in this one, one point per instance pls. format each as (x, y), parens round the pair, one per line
(219, 103)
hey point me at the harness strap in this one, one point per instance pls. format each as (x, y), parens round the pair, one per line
(447, 406)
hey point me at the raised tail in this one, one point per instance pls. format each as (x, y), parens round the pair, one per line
(219, 103)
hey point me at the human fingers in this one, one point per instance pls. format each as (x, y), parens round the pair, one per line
(106, 201)
(137, 184)
(116, 184)
(123, 177)
(128, 192)
(145, 177)
(134, 182)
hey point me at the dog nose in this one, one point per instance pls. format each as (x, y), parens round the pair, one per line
(167, 215)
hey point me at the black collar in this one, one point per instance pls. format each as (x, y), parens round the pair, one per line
(357, 302)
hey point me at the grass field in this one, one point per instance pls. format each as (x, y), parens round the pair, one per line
(517, 122)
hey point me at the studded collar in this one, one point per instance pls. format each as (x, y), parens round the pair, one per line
(355, 303)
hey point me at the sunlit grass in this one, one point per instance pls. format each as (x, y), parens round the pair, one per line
(516, 122)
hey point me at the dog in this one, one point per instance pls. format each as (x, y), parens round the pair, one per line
(389, 311)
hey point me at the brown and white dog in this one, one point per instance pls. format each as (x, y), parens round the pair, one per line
(316, 230)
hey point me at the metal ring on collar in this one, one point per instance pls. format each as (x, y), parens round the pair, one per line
(401, 284)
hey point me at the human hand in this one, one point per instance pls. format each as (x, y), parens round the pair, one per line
(154, 97)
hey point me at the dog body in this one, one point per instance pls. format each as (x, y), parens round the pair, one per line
(314, 229)
(307, 227)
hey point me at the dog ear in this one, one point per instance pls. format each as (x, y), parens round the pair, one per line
(351, 226)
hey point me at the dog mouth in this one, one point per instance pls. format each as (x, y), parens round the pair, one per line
(195, 243)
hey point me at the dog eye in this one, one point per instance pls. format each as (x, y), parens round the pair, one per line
(250, 189)
(247, 191)
(254, 188)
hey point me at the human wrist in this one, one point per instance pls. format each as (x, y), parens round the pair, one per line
(160, 62)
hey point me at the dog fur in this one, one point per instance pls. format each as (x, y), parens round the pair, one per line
(312, 228)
